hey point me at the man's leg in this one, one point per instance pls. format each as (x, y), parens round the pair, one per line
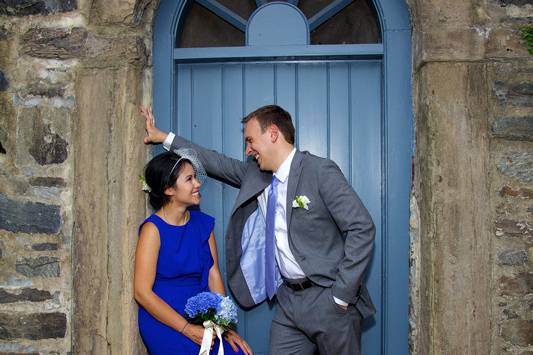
(285, 337)
(334, 330)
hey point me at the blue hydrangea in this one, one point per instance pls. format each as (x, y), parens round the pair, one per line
(202, 303)
(226, 312)
(209, 306)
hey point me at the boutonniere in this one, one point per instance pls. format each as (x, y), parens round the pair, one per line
(301, 202)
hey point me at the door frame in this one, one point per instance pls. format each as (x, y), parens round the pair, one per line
(397, 140)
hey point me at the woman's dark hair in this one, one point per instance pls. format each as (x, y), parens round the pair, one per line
(160, 175)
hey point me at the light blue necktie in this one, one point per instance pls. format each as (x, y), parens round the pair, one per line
(270, 242)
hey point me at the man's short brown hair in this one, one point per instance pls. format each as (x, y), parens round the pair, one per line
(273, 114)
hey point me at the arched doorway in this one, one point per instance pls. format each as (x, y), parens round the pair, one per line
(348, 93)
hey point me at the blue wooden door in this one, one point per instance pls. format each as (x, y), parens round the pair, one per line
(336, 108)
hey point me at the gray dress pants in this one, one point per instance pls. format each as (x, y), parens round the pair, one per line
(307, 320)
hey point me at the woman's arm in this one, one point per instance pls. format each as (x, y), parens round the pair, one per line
(145, 270)
(215, 282)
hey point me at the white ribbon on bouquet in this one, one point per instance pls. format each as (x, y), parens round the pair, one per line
(208, 338)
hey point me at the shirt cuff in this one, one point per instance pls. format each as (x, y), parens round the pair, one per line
(340, 302)
(168, 140)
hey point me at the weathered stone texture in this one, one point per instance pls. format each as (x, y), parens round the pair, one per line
(518, 94)
(514, 128)
(29, 217)
(47, 147)
(43, 266)
(35, 7)
(523, 193)
(47, 181)
(513, 257)
(453, 159)
(4, 84)
(32, 326)
(54, 43)
(25, 294)
(102, 125)
(518, 332)
(128, 12)
(45, 246)
(517, 165)
(519, 285)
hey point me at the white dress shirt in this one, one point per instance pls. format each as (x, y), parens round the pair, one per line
(288, 266)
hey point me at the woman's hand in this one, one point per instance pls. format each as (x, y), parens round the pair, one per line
(153, 134)
(196, 333)
(235, 340)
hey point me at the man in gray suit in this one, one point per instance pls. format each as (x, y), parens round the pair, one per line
(297, 230)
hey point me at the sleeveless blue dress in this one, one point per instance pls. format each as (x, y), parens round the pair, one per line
(182, 272)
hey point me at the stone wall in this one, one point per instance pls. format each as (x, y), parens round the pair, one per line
(473, 188)
(72, 74)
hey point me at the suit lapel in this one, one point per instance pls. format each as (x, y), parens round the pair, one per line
(253, 186)
(294, 177)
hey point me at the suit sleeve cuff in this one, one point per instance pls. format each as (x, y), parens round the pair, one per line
(340, 302)
(168, 141)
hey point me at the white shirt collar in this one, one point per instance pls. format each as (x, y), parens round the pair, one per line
(284, 169)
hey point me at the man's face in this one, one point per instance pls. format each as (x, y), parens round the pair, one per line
(258, 144)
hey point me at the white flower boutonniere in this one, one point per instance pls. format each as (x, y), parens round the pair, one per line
(301, 202)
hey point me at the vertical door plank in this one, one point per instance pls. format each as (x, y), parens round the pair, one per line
(366, 175)
(183, 101)
(313, 108)
(339, 113)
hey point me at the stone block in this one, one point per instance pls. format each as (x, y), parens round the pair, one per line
(505, 43)
(517, 285)
(35, 7)
(43, 133)
(128, 12)
(48, 147)
(4, 84)
(513, 257)
(54, 43)
(26, 294)
(518, 332)
(511, 228)
(453, 155)
(524, 193)
(32, 326)
(43, 89)
(516, 94)
(514, 128)
(517, 165)
(450, 45)
(45, 246)
(29, 217)
(515, 2)
(48, 181)
(42, 266)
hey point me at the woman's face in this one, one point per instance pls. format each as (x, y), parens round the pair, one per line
(186, 191)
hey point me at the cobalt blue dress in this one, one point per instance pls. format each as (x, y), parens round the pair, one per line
(182, 272)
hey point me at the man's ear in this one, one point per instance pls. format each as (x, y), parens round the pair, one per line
(274, 133)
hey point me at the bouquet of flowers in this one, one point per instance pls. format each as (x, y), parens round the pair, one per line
(215, 312)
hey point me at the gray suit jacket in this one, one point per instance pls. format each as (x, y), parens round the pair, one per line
(332, 240)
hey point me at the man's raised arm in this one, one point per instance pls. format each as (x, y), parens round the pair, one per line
(218, 166)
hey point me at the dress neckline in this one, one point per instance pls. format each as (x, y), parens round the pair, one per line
(174, 225)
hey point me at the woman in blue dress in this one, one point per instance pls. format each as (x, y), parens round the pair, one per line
(175, 259)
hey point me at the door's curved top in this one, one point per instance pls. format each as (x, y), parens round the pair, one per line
(223, 23)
